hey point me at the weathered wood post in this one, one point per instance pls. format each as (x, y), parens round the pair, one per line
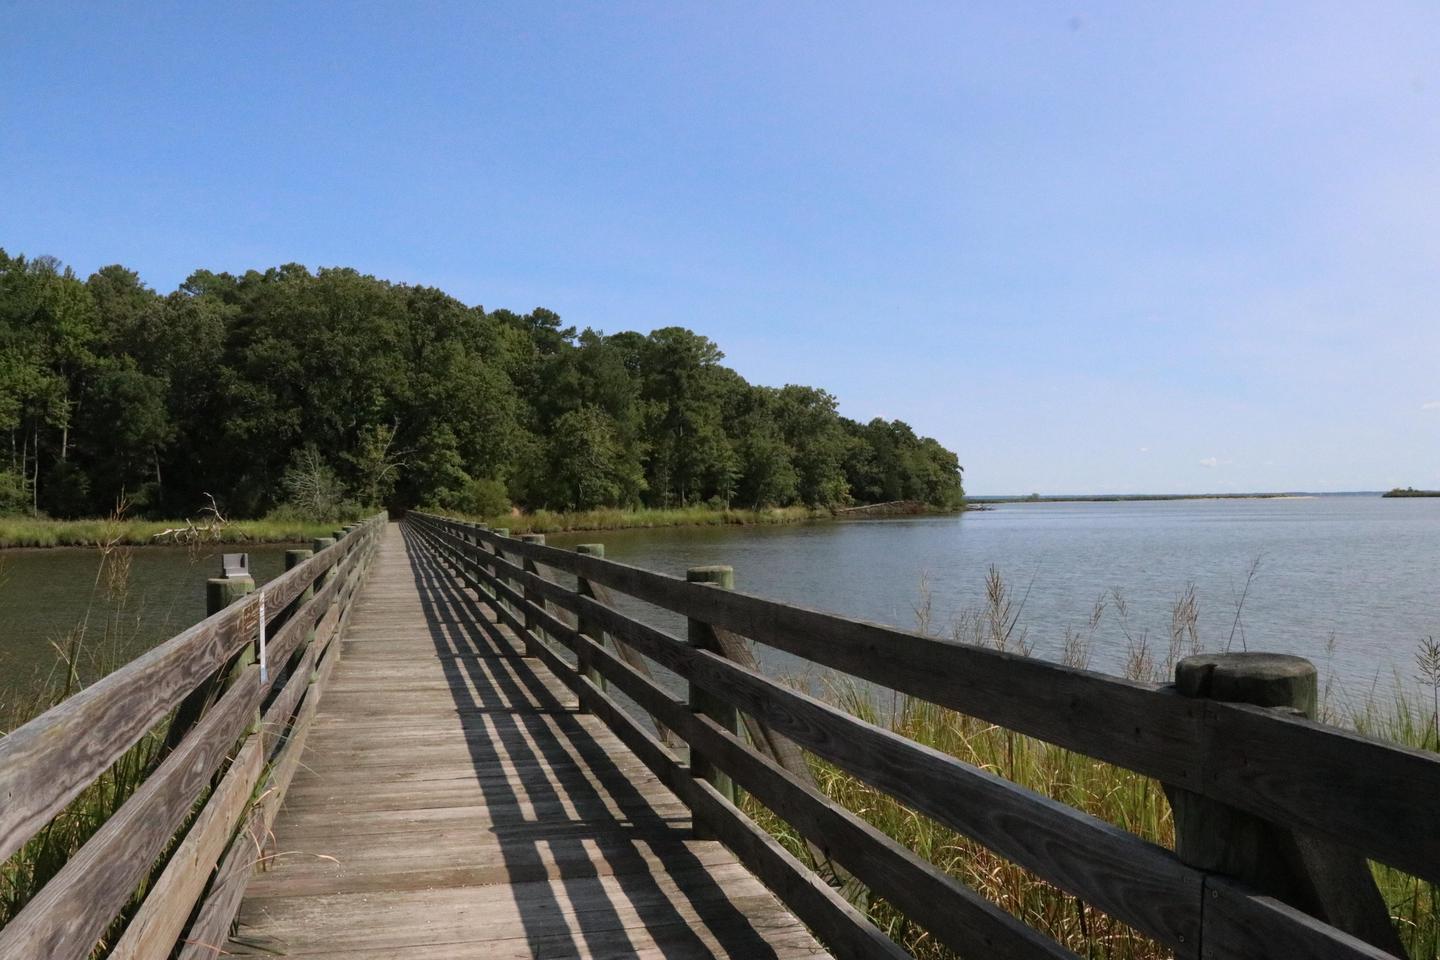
(534, 634)
(1308, 872)
(293, 558)
(316, 545)
(477, 548)
(586, 625)
(702, 636)
(495, 569)
(233, 583)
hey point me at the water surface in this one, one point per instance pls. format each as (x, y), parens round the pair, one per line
(61, 599)
(1352, 582)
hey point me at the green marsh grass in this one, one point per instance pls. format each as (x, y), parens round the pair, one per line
(29, 532)
(1113, 794)
(90, 649)
(614, 518)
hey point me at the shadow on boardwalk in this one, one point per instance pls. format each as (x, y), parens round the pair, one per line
(456, 804)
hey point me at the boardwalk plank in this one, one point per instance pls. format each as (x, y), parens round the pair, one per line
(452, 803)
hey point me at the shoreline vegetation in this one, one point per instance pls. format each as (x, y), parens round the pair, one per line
(23, 532)
(289, 393)
(1410, 492)
(1137, 497)
(545, 521)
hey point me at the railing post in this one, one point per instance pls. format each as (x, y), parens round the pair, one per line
(481, 549)
(533, 633)
(702, 636)
(1308, 872)
(495, 570)
(477, 550)
(293, 558)
(316, 545)
(234, 582)
(471, 536)
(584, 624)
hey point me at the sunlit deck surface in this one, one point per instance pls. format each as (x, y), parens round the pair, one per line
(453, 803)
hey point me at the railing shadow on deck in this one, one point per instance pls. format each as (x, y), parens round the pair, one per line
(535, 740)
(1276, 814)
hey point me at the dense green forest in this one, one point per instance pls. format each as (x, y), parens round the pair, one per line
(314, 393)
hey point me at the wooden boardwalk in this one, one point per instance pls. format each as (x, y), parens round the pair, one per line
(452, 803)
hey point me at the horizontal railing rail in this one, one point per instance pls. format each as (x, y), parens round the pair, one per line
(1340, 797)
(236, 730)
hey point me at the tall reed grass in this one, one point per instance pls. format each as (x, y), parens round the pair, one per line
(1115, 795)
(90, 649)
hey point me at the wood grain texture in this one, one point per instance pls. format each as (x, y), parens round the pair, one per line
(452, 802)
(1249, 757)
(1371, 795)
(211, 924)
(48, 761)
(161, 917)
(157, 925)
(1116, 871)
(843, 928)
(1242, 925)
(956, 915)
(68, 915)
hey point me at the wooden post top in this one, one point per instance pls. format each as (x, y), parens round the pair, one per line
(1264, 679)
(722, 575)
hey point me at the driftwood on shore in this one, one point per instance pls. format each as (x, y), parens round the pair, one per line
(890, 508)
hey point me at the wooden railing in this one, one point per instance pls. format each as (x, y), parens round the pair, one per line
(234, 738)
(1277, 815)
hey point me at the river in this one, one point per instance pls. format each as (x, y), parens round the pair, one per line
(1352, 582)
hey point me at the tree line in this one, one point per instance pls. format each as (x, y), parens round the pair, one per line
(330, 391)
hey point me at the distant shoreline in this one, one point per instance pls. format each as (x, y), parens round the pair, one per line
(1126, 497)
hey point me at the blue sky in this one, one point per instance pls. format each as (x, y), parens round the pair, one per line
(1093, 248)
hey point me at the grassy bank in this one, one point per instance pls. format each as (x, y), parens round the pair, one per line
(611, 518)
(28, 532)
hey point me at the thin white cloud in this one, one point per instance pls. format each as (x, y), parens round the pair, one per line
(1210, 463)
(1431, 405)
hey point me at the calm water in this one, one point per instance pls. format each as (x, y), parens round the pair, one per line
(46, 595)
(1351, 582)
